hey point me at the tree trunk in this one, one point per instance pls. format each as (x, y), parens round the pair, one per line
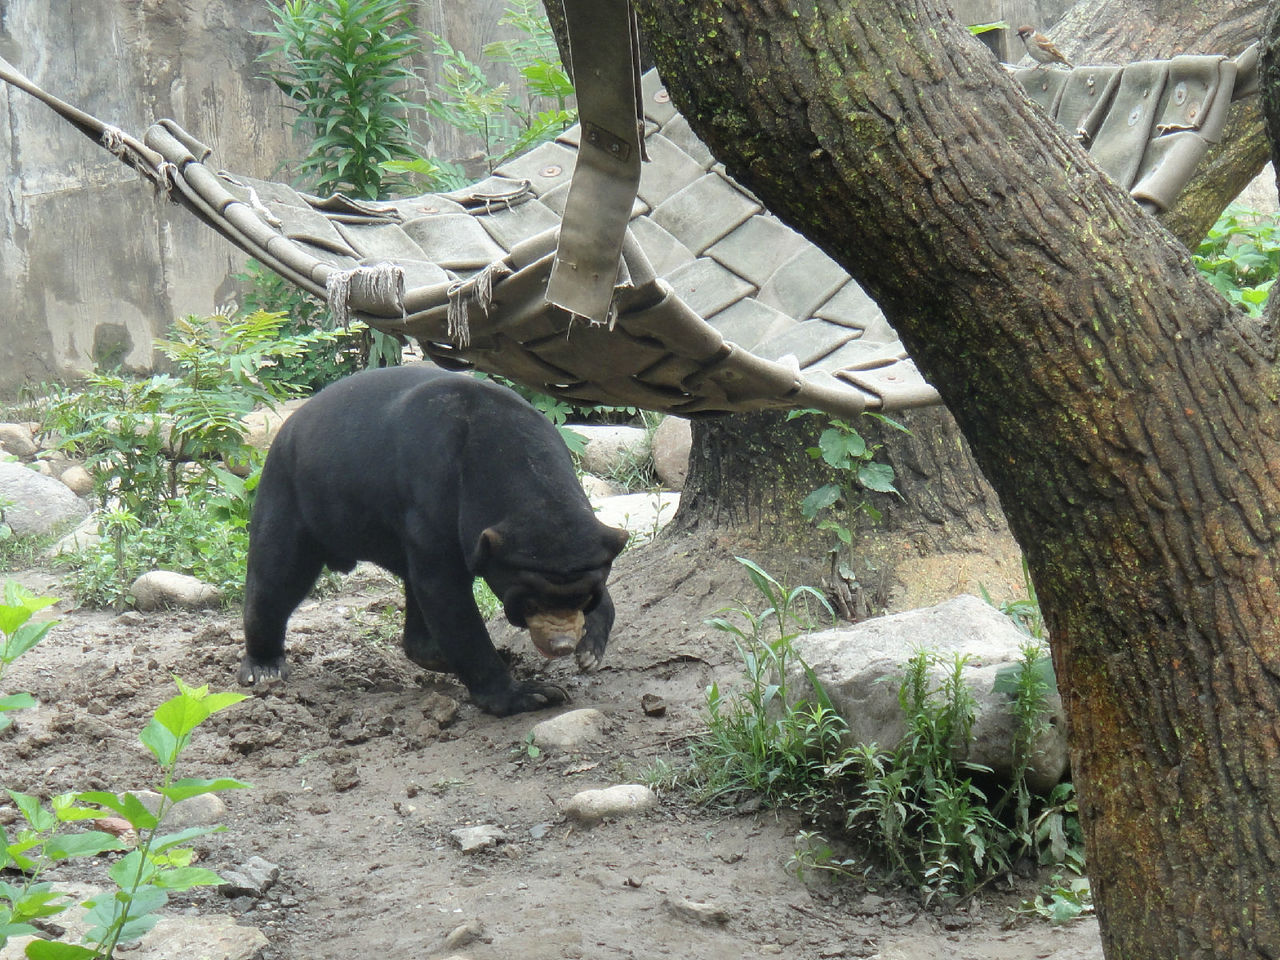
(1124, 413)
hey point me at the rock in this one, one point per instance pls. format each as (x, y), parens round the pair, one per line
(77, 479)
(592, 806)
(162, 589)
(671, 442)
(697, 912)
(475, 839)
(611, 450)
(85, 535)
(653, 705)
(852, 663)
(197, 937)
(203, 811)
(466, 933)
(570, 730)
(16, 440)
(263, 424)
(253, 878)
(31, 504)
(641, 514)
(597, 488)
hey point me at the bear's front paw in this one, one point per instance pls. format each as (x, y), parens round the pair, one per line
(251, 670)
(520, 698)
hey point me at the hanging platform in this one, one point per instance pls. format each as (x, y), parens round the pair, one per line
(715, 305)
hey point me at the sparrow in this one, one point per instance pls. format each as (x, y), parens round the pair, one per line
(1040, 48)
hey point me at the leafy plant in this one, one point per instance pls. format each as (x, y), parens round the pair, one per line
(143, 877)
(1240, 256)
(19, 634)
(345, 65)
(327, 361)
(858, 475)
(505, 123)
(1025, 611)
(769, 739)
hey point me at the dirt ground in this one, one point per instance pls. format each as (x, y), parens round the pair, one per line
(363, 764)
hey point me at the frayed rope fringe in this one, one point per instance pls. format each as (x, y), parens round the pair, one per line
(463, 294)
(380, 283)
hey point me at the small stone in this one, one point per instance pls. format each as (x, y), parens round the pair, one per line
(570, 730)
(698, 912)
(161, 589)
(475, 839)
(16, 440)
(253, 878)
(344, 778)
(653, 705)
(466, 933)
(77, 480)
(202, 811)
(591, 806)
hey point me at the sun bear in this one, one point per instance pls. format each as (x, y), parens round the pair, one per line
(438, 478)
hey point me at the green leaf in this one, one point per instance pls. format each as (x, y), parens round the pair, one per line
(878, 477)
(57, 950)
(17, 701)
(126, 805)
(88, 844)
(189, 787)
(184, 878)
(169, 840)
(36, 815)
(161, 742)
(1008, 678)
(819, 500)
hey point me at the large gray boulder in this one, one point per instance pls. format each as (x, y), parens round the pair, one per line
(32, 504)
(859, 667)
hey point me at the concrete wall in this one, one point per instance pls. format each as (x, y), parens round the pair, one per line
(1041, 14)
(91, 261)
(88, 254)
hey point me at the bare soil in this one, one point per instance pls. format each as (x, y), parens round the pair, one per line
(363, 764)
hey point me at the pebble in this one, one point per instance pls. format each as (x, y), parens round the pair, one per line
(474, 839)
(628, 799)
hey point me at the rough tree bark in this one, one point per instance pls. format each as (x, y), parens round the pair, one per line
(1125, 414)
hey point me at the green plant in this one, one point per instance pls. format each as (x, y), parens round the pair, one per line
(917, 809)
(19, 634)
(1025, 611)
(858, 475)
(145, 876)
(768, 738)
(1240, 256)
(504, 123)
(345, 65)
(308, 370)
(1065, 897)
(204, 534)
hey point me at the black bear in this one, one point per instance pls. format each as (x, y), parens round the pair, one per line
(439, 478)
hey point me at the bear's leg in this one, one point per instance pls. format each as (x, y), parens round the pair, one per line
(595, 636)
(449, 613)
(419, 645)
(283, 567)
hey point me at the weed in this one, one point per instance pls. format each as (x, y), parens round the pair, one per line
(19, 635)
(1065, 897)
(144, 876)
(768, 738)
(919, 810)
(1240, 256)
(1025, 611)
(858, 475)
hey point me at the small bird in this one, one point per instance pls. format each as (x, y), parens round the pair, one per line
(1040, 48)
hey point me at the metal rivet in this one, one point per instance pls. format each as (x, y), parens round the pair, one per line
(662, 96)
(1191, 114)
(1180, 93)
(1135, 115)
(425, 209)
(1092, 80)
(552, 170)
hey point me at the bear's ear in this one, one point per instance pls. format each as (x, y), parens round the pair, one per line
(490, 542)
(615, 538)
